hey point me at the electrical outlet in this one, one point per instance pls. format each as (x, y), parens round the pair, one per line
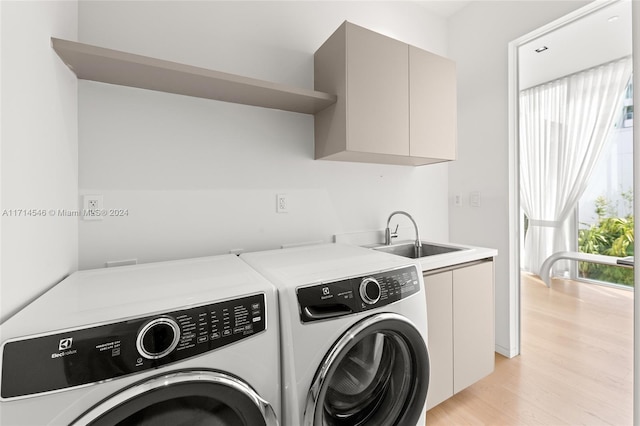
(282, 203)
(92, 207)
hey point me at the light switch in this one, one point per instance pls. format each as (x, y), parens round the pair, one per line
(474, 199)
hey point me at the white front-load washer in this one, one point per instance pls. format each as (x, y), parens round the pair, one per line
(354, 332)
(190, 342)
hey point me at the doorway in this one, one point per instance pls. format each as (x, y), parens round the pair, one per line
(538, 44)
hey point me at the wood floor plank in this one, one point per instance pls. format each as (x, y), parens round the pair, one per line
(575, 367)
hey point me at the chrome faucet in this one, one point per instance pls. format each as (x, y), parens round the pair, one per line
(388, 235)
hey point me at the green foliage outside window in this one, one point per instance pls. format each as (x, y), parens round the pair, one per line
(611, 235)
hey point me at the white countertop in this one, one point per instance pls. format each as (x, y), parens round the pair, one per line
(437, 261)
(292, 267)
(106, 295)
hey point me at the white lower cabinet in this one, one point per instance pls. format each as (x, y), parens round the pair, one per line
(460, 311)
(439, 291)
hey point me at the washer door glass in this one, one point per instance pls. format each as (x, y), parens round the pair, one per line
(184, 398)
(376, 374)
(187, 410)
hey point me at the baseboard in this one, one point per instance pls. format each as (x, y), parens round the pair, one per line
(506, 352)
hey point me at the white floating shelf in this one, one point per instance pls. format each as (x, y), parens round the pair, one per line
(126, 69)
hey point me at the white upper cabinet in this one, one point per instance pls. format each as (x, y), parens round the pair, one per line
(432, 111)
(377, 96)
(396, 103)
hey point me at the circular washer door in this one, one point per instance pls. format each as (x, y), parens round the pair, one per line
(377, 373)
(184, 398)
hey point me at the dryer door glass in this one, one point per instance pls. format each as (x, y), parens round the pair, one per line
(184, 398)
(376, 374)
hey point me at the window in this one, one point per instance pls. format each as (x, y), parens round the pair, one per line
(605, 210)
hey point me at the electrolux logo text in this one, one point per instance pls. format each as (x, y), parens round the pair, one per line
(326, 293)
(65, 344)
(65, 347)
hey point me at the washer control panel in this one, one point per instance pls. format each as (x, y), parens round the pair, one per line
(357, 294)
(37, 364)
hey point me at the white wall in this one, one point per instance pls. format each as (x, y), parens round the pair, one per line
(478, 38)
(200, 177)
(39, 150)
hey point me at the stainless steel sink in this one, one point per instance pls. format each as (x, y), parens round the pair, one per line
(408, 249)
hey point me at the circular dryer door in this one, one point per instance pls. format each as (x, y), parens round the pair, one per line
(184, 398)
(377, 373)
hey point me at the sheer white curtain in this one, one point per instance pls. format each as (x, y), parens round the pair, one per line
(563, 126)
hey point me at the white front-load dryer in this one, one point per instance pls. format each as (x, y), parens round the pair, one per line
(190, 342)
(354, 333)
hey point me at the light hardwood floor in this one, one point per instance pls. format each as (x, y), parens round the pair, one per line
(576, 365)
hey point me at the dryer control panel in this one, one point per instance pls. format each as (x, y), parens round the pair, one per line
(37, 364)
(357, 294)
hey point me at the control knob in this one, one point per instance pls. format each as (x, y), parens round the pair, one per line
(370, 291)
(158, 337)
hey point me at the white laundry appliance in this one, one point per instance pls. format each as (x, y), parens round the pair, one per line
(191, 342)
(354, 333)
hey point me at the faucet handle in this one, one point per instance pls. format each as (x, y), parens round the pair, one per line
(388, 235)
(394, 234)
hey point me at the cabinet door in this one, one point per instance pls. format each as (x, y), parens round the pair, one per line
(473, 324)
(377, 93)
(439, 294)
(432, 86)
